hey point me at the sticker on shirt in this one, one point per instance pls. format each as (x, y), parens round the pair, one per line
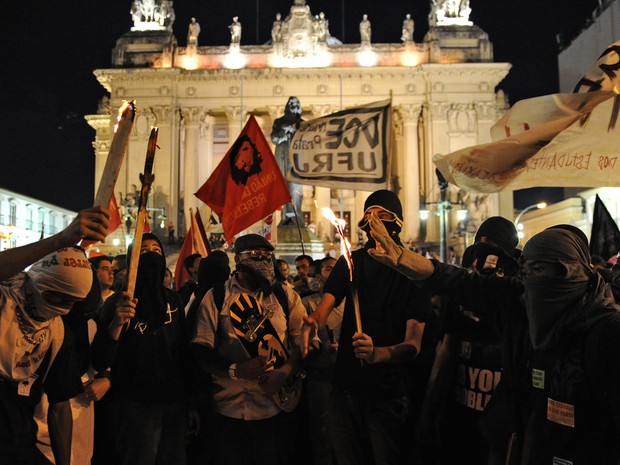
(559, 461)
(560, 413)
(538, 378)
(24, 387)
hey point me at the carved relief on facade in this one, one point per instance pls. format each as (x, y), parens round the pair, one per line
(158, 114)
(462, 118)
(192, 115)
(234, 113)
(487, 110)
(409, 113)
(439, 110)
(320, 110)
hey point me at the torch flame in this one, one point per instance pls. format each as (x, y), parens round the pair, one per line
(345, 245)
(121, 111)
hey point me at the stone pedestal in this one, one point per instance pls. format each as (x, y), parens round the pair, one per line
(458, 44)
(289, 246)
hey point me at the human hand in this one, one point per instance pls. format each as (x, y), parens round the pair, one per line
(271, 381)
(386, 251)
(91, 224)
(125, 309)
(363, 347)
(308, 332)
(252, 369)
(96, 388)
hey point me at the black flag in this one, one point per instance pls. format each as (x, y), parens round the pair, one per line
(605, 237)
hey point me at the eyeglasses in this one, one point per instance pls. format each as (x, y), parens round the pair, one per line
(258, 254)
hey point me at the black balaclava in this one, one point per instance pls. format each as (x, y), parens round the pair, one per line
(488, 258)
(152, 303)
(388, 201)
(501, 231)
(570, 301)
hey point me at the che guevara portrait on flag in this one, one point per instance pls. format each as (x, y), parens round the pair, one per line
(247, 185)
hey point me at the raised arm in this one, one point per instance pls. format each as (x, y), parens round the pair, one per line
(91, 224)
(387, 252)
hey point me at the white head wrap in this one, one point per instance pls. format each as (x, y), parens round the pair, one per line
(66, 271)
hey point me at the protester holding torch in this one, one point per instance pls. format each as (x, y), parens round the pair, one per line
(390, 312)
(142, 338)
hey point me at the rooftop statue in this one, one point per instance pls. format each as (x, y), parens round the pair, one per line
(192, 33)
(365, 30)
(322, 28)
(152, 15)
(408, 27)
(450, 13)
(276, 30)
(235, 31)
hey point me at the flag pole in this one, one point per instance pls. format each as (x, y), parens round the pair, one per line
(301, 238)
(391, 147)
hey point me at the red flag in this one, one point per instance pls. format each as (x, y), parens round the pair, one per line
(192, 244)
(115, 221)
(203, 233)
(115, 216)
(247, 185)
(180, 273)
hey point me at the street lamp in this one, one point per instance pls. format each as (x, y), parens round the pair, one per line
(517, 223)
(443, 208)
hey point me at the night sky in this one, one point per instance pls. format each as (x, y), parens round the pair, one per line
(50, 49)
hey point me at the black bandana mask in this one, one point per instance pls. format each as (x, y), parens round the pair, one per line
(392, 227)
(150, 292)
(263, 271)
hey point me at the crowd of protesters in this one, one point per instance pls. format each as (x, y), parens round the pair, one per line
(510, 358)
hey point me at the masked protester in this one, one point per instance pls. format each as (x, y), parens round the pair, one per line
(371, 366)
(251, 423)
(144, 342)
(35, 356)
(560, 330)
(468, 364)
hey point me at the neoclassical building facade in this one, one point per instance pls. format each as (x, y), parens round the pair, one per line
(443, 97)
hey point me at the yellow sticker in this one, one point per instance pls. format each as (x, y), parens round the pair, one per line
(561, 413)
(538, 378)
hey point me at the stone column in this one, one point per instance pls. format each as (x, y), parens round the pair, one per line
(410, 179)
(166, 169)
(192, 117)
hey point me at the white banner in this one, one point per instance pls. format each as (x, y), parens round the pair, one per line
(556, 140)
(349, 149)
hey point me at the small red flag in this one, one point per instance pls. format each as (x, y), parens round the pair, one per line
(203, 233)
(193, 243)
(115, 221)
(180, 273)
(247, 185)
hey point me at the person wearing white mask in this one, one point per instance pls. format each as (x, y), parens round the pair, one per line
(33, 357)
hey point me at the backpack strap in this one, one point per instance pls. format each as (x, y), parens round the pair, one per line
(218, 295)
(278, 290)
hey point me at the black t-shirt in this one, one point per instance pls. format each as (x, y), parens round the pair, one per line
(149, 364)
(387, 300)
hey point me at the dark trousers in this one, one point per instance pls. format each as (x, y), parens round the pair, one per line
(366, 431)
(256, 442)
(18, 430)
(151, 434)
